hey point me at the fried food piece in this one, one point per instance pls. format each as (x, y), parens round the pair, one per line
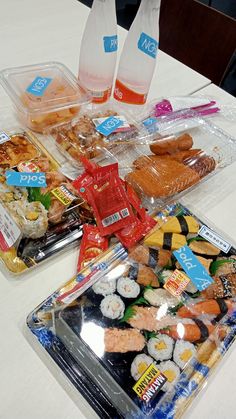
(224, 286)
(16, 150)
(203, 165)
(143, 275)
(172, 145)
(162, 179)
(123, 340)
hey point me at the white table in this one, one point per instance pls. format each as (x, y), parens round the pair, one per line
(34, 31)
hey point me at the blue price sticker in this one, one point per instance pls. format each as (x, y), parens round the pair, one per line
(193, 268)
(151, 124)
(24, 179)
(38, 86)
(109, 125)
(110, 43)
(148, 45)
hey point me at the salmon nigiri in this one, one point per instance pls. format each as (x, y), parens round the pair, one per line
(211, 307)
(197, 332)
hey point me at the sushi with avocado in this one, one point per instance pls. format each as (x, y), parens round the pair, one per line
(161, 347)
(112, 307)
(183, 353)
(139, 365)
(128, 288)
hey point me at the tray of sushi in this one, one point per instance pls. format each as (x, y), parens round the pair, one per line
(40, 211)
(150, 324)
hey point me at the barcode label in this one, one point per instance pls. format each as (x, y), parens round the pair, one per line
(10, 232)
(124, 212)
(214, 238)
(111, 219)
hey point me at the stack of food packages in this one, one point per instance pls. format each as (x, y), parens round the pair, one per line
(153, 311)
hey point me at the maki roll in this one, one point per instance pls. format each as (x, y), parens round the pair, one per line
(183, 353)
(160, 296)
(10, 193)
(128, 288)
(171, 372)
(112, 307)
(31, 218)
(139, 365)
(105, 286)
(161, 347)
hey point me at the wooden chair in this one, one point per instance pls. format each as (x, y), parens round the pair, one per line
(197, 35)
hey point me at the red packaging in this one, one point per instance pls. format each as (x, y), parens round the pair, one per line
(81, 183)
(92, 245)
(143, 223)
(109, 201)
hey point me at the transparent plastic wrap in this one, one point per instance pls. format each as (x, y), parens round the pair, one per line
(44, 94)
(163, 165)
(146, 328)
(97, 129)
(40, 211)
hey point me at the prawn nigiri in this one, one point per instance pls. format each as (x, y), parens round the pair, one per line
(211, 307)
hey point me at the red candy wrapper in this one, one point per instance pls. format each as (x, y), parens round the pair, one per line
(108, 198)
(92, 245)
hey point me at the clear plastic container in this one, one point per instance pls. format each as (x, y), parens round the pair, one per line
(84, 137)
(146, 330)
(44, 94)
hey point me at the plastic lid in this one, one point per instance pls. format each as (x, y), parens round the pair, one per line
(46, 86)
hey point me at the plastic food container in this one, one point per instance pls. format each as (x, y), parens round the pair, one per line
(36, 222)
(44, 94)
(96, 130)
(163, 316)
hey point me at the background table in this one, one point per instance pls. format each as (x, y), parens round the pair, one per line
(33, 31)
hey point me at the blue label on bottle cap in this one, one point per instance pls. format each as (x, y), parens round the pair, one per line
(193, 268)
(109, 125)
(38, 86)
(148, 45)
(110, 43)
(26, 179)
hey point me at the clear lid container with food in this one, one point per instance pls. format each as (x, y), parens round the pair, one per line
(44, 94)
(95, 130)
(143, 334)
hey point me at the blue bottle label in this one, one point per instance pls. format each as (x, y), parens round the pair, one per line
(109, 125)
(148, 45)
(110, 43)
(193, 268)
(26, 179)
(38, 86)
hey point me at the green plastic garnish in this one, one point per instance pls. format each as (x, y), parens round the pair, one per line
(197, 238)
(174, 309)
(217, 263)
(149, 335)
(130, 311)
(35, 195)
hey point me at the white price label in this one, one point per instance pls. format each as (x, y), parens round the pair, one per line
(10, 232)
(3, 137)
(214, 238)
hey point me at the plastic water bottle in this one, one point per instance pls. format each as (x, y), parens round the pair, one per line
(138, 58)
(98, 51)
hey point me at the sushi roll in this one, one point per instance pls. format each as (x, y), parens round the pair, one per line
(105, 287)
(183, 353)
(171, 372)
(112, 307)
(31, 218)
(160, 296)
(139, 365)
(128, 288)
(11, 193)
(161, 347)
